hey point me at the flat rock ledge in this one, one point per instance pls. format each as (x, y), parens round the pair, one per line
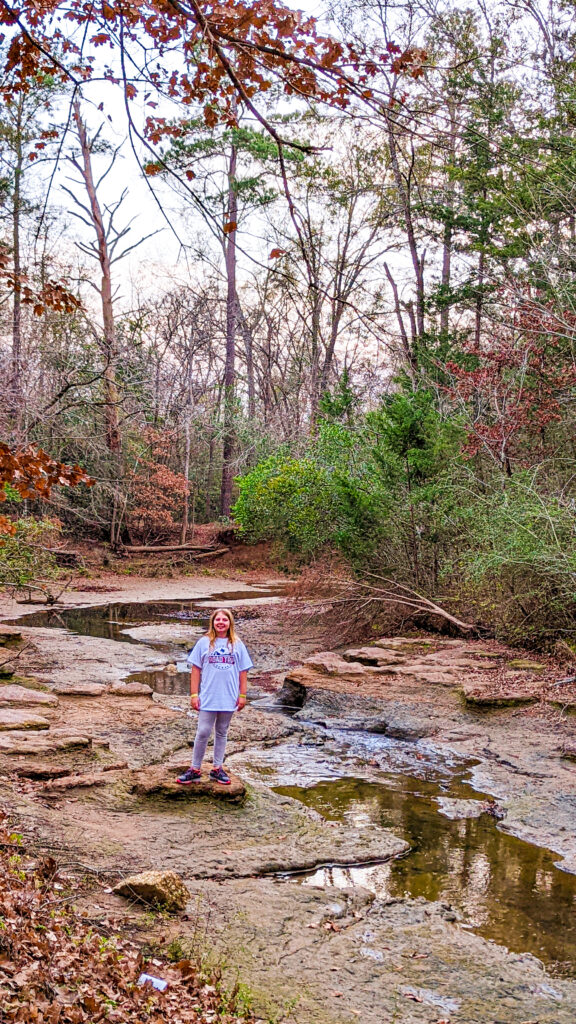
(20, 742)
(156, 888)
(487, 696)
(130, 690)
(14, 718)
(161, 781)
(79, 689)
(12, 694)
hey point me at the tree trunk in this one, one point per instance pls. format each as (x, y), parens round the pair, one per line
(229, 440)
(113, 440)
(109, 347)
(17, 298)
(448, 229)
(404, 193)
(249, 353)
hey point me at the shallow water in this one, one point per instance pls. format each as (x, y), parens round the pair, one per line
(505, 889)
(110, 621)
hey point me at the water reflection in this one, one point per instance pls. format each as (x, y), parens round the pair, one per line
(110, 620)
(508, 890)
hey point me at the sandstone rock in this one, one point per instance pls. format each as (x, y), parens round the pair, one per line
(60, 785)
(14, 718)
(40, 770)
(506, 696)
(13, 694)
(79, 689)
(376, 656)
(331, 664)
(310, 676)
(131, 690)
(569, 750)
(157, 888)
(17, 742)
(161, 781)
(527, 666)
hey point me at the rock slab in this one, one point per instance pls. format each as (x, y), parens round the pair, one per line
(20, 695)
(161, 781)
(79, 689)
(14, 718)
(130, 690)
(20, 742)
(157, 888)
(487, 696)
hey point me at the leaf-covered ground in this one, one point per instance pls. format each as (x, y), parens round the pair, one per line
(57, 968)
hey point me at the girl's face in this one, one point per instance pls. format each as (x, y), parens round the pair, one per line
(221, 624)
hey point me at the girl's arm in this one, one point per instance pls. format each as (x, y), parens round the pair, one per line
(195, 688)
(243, 687)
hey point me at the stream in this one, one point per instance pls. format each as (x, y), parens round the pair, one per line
(504, 888)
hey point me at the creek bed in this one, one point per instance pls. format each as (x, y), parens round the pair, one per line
(506, 889)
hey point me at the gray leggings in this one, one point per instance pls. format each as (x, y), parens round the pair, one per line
(208, 720)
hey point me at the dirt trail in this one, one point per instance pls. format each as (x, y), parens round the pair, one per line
(308, 955)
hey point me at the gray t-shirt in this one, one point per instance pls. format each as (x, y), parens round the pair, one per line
(220, 668)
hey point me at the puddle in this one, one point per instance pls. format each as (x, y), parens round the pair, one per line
(505, 889)
(163, 680)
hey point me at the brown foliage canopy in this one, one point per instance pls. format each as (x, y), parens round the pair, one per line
(194, 51)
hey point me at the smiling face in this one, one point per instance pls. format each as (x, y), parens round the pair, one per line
(221, 624)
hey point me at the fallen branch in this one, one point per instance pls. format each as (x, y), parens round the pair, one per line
(426, 605)
(149, 549)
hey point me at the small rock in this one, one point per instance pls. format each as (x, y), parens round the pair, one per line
(60, 785)
(79, 689)
(527, 666)
(131, 690)
(157, 888)
(13, 718)
(12, 694)
(377, 656)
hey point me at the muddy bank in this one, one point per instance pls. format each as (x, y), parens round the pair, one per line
(309, 954)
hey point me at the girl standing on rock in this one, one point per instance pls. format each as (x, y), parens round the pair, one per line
(219, 677)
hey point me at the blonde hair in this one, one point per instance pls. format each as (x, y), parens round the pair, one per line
(232, 636)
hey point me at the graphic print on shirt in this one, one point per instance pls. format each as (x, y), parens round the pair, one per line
(221, 659)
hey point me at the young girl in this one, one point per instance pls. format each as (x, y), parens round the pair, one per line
(219, 677)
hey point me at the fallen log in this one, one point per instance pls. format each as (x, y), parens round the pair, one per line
(203, 550)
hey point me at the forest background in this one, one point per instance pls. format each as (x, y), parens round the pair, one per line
(344, 317)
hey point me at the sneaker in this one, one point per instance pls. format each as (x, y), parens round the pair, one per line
(219, 775)
(192, 775)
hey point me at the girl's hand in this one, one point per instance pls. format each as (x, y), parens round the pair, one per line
(195, 703)
(241, 702)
